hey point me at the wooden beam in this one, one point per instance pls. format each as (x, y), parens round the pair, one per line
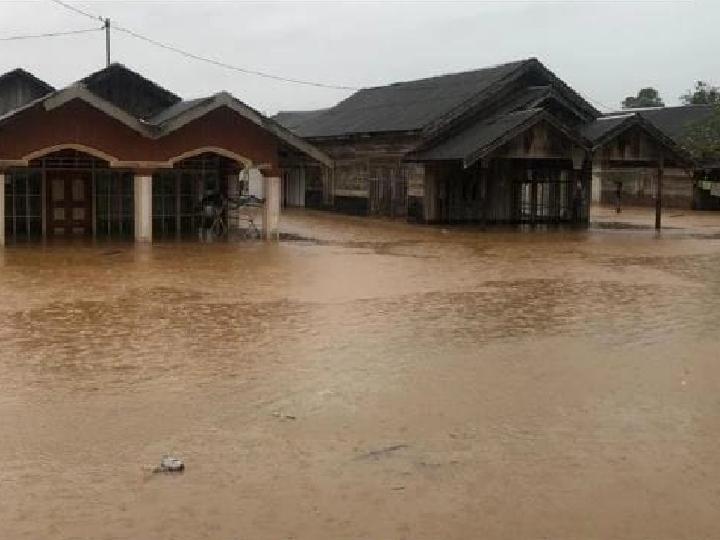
(658, 197)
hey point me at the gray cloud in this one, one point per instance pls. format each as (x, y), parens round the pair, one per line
(605, 50)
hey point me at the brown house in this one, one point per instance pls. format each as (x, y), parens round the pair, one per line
(117, 155)
(511, 143)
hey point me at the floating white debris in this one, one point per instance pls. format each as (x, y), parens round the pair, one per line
(170, 464)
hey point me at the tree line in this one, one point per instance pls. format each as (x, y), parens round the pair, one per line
(703, 93)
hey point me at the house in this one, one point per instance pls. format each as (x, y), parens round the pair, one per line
(511, 143)
(116, 155)
(683, 187)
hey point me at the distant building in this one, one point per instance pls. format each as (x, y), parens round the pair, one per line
(696, 185)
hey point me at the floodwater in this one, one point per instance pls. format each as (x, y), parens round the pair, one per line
(366, 379)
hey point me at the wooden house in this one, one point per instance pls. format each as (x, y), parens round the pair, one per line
(511, 143)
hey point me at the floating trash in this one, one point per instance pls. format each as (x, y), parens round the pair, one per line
(170, 464)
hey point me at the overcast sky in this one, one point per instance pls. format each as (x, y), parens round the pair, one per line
(605, 50)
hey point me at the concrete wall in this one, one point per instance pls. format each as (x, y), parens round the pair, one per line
(79, 123)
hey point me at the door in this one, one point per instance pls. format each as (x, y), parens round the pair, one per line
(69, 203)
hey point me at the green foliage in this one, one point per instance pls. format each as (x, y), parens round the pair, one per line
(646, 97)
(702, 139)
(702, 94)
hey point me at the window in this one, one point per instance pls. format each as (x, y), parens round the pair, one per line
(23, 204)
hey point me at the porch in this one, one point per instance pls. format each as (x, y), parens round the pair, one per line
(70, 193)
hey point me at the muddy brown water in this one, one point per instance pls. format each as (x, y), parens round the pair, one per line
(364, 379)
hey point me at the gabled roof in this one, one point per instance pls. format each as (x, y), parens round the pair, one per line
(185, 112)
(20, 73)
(424, 104)
(482, 138)
(129, 91)
(19, 87)
(608, 127)
(166, 120)
(404, 106)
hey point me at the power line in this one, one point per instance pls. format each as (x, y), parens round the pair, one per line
(230, 66)
(211, 61)
(51, 34)
(77, 10)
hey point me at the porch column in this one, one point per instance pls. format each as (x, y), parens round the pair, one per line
(2, 209)
(142, 187)
(271, 214)
(658, 195)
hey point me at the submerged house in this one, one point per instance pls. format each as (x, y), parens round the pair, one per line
(696, 185)
(116, 155)
(511, 143)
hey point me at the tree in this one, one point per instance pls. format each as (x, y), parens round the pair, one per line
(646, 97)
(702, 139)
(702, 94)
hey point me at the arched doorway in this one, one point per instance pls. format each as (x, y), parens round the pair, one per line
(177, 193)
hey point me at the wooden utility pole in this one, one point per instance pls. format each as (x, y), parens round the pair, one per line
(658, 198)
(107, 41)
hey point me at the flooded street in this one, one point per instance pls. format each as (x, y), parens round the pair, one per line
(366, 379)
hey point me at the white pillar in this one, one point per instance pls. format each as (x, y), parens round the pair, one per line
(2, 209)
(271, 215)
(143, 207)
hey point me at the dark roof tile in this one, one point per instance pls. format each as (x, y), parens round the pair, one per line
(405, 106)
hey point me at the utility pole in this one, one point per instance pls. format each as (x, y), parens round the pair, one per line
(107, 41)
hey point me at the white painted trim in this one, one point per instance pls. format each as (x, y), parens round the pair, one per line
(71, 146)
(247, 162)
(222, 99)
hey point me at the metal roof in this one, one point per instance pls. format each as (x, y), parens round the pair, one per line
(674, 121)
(405, 106)
(22, 74)
(476, 137)
(292, 120)
(130, 91)
(175, 110)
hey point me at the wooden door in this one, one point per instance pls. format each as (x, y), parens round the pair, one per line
(69, 207)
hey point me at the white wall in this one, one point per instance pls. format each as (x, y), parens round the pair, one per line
(256, 184)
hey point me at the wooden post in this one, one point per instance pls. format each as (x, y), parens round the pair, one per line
(658, 198)
(485, 189)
